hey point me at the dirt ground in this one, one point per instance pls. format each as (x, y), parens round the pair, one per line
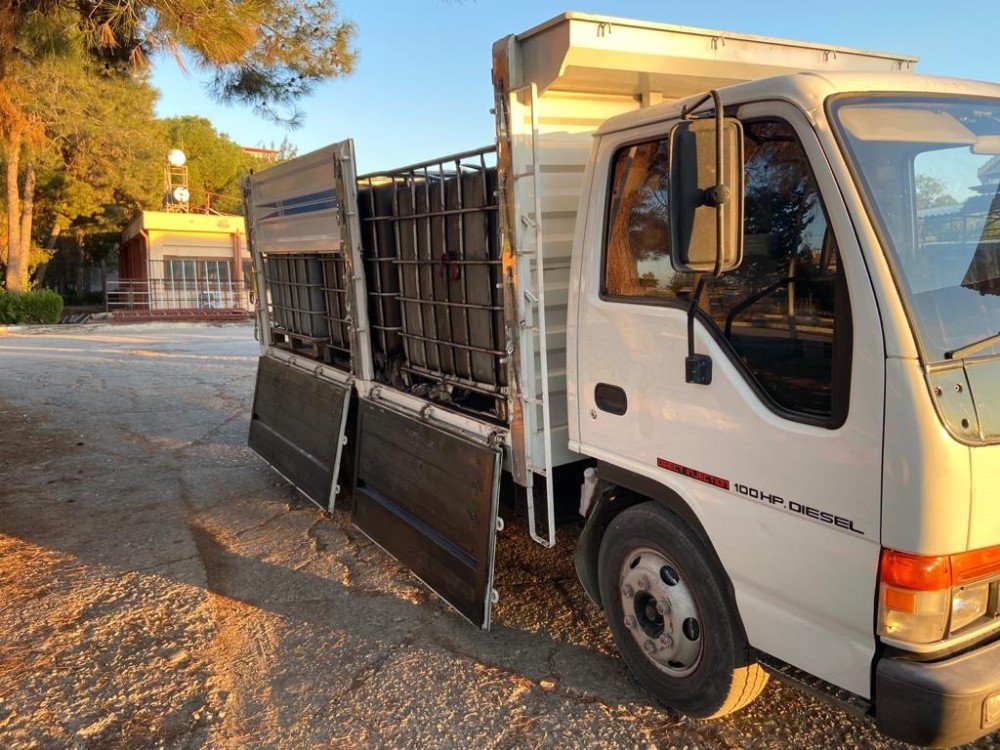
(161, 587)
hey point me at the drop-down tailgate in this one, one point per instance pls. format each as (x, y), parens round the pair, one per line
(428, 496)
(297, 425)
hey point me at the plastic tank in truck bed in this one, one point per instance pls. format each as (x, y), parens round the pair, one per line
(431, 245)
(308, 305)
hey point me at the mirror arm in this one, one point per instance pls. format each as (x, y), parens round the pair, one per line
(692, 309)
(698, 367)
(719, 194)
(720, 189)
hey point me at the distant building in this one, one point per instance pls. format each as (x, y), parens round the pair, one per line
(264, 154)
(181, 261)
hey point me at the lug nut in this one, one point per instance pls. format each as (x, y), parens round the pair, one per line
(643, 583)
(662, 607)
(667, 641)
(649, 647)
(629, 622)
(628, 591)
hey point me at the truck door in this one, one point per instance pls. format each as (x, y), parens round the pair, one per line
(303, 236)
(779, 455)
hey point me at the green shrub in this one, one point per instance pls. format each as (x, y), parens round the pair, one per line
(6, 307)
(43, 306)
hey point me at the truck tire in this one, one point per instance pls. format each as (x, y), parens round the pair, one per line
(672, 617)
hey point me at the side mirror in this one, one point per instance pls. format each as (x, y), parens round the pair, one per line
(706, 195)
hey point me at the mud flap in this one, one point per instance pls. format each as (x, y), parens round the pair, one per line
(428, 497)
(297, 426)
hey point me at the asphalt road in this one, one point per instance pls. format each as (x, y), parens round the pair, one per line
(161, 587)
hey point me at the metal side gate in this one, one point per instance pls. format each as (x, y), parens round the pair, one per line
(297, 426)
(427, 495)
(427, 471)
(302, 230)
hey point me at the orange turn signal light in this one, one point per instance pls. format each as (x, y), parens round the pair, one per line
(971, 566)
(934, 573)
(901, 601)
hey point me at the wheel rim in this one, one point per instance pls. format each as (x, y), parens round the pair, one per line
(661, 613)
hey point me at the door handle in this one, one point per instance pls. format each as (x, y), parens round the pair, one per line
(610, 398)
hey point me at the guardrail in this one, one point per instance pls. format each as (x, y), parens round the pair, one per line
(169, 294)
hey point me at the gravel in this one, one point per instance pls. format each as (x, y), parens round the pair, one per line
(162, 587)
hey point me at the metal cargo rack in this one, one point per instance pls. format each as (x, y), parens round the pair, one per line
(307, 305)
(431, 245)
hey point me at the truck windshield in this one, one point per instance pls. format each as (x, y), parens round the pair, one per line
(930, 167)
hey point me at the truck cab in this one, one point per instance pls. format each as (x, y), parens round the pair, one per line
(841, 468)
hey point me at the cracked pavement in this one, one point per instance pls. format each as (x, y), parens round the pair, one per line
(162, 587)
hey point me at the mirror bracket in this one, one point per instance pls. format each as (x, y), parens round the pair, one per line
(717, 195)
(697, 367)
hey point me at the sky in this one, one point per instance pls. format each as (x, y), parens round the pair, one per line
(421, 86)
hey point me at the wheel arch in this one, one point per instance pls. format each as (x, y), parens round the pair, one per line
(620, 490)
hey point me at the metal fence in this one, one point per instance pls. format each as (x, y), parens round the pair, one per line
(176, 294)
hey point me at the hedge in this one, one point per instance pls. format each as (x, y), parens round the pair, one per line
(43, 306)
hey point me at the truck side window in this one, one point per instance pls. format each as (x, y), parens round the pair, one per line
(785, 310)
(637, 245)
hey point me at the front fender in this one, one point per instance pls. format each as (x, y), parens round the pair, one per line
(611, 500)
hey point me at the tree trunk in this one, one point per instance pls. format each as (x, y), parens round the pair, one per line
(621, 276)
(13, 212)
(27, 216)
(81, 275)
(54, 234)
(50, 245)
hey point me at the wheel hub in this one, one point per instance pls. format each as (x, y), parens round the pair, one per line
(661, 613)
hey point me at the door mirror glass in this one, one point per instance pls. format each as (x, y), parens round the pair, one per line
(704, 199)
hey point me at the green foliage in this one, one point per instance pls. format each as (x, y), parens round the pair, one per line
(300, 43)
(100, 157)
(76, 108)
(103, 153)
(266, 53)
(932, 193)
(42, 306)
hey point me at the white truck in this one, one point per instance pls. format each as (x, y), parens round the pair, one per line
(754, 282)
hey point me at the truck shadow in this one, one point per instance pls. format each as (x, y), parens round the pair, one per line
(544, 628)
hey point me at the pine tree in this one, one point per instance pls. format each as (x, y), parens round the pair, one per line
(265, 54)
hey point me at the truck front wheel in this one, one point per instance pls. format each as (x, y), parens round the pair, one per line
(672, 618)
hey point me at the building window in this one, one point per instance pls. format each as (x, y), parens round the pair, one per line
(197, 283)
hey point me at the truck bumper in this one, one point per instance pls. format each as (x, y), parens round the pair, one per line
(942, 703)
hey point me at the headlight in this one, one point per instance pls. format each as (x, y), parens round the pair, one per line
(926, 599)
(913, 616)
(968, 604)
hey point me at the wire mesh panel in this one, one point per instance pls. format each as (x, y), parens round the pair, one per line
(335, 284)
(432, 250)
(378, 239)
(307, 300)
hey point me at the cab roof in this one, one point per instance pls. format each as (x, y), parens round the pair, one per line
(809, 90)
